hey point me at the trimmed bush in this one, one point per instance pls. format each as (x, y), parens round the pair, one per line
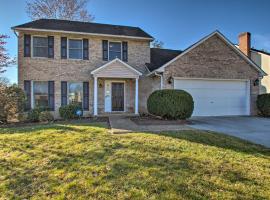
(170, 104)
(46, 116)
(69, 111)
(263, 104)
(33, 115)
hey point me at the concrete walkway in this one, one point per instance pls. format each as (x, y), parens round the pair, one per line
(122, 124)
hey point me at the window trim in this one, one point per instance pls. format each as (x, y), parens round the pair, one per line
(68, 82)
(32, 46)
(81, 39)
(120, 42)
(33, 103)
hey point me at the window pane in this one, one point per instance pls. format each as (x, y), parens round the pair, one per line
(75, 93)
(41, 94)
(40, 46)
(113, 55)
(75, 44)
(40, 41)
(75, 53)
(115, 46)
(40, 52)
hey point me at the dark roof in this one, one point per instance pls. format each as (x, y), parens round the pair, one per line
(261, 51)
(161, 56)
(86, 27)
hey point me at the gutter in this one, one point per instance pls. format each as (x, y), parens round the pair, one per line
(161, 79)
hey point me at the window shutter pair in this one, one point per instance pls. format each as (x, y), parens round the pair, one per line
(64, 48)
(85, 94)
(27, 46)
(105, 50)
(27, 89)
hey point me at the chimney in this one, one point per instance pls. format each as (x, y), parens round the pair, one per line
(244, 43)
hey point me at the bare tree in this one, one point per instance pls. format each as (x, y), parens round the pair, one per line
(5, 59)
(157, 44)
(59, 9)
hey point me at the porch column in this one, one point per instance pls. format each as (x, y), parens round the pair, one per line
(95, 96)
(136, 96)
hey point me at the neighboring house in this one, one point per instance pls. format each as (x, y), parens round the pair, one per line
(109, 68)
(261, 58)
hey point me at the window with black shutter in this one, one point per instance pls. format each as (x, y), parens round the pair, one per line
(50, 47)
(51, 95)
(63, 93)
(27, 90)
(105, 50)
(125, 51)
(27, 45)
(63, 47)
(85, 49)
(86, 95)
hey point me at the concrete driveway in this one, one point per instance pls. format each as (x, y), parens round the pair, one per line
(254, 129)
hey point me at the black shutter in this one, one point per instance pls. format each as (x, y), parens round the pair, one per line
(85, 49)
(50, 47)
(85, 95)
(125, 51)
(105, 49)
(27, 90)
(27, 45)
(63, 47)
(63, 93)
(51, 95)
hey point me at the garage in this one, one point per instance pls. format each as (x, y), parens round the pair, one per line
(214, 97)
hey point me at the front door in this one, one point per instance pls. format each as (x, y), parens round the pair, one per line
(117, 96)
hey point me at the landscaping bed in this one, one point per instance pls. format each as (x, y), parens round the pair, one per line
(151, 120)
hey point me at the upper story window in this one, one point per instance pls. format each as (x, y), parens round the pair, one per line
(75, 49)
(115, 50)
(40, 46)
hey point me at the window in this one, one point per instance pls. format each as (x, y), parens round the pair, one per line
(75, 49)
(40, 46)
(114, 50)
(75, 93)
(40, 94)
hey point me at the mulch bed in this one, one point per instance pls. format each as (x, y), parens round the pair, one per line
(150, 120)
(82, 120)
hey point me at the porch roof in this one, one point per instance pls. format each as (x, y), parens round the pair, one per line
(116, 69)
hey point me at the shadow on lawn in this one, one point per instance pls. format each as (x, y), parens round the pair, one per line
(61, 127)
(218, 140)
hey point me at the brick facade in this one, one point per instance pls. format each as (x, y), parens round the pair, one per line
(213, 59)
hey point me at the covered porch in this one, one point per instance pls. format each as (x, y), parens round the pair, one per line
(115, 88)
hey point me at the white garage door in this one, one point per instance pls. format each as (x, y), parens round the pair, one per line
(217, 97)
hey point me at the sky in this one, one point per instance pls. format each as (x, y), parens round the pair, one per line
(177, 23)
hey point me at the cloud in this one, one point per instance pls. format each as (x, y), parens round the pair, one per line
(261, 41)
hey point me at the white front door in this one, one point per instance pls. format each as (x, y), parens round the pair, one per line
(108, 99)
(217, 97)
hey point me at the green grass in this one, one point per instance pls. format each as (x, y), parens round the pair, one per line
(80, 161)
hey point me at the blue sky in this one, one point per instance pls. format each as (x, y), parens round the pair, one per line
(178, 23)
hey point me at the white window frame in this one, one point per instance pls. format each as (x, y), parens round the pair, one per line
(121, 51)
(68, 48)
(32, 46)
(68, 102)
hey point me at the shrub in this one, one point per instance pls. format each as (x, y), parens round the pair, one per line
(69, 111)
(170, 104)
(46, 116)
(33, 115)
(263, 104)
(12, 100)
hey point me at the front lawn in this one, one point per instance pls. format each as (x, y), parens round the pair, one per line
(80, 161)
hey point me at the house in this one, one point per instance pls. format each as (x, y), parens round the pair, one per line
(111, 69)
(261, 58)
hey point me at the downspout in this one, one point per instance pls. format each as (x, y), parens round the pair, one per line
(161, 79)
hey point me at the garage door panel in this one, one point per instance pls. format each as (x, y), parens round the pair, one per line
(216, 98)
